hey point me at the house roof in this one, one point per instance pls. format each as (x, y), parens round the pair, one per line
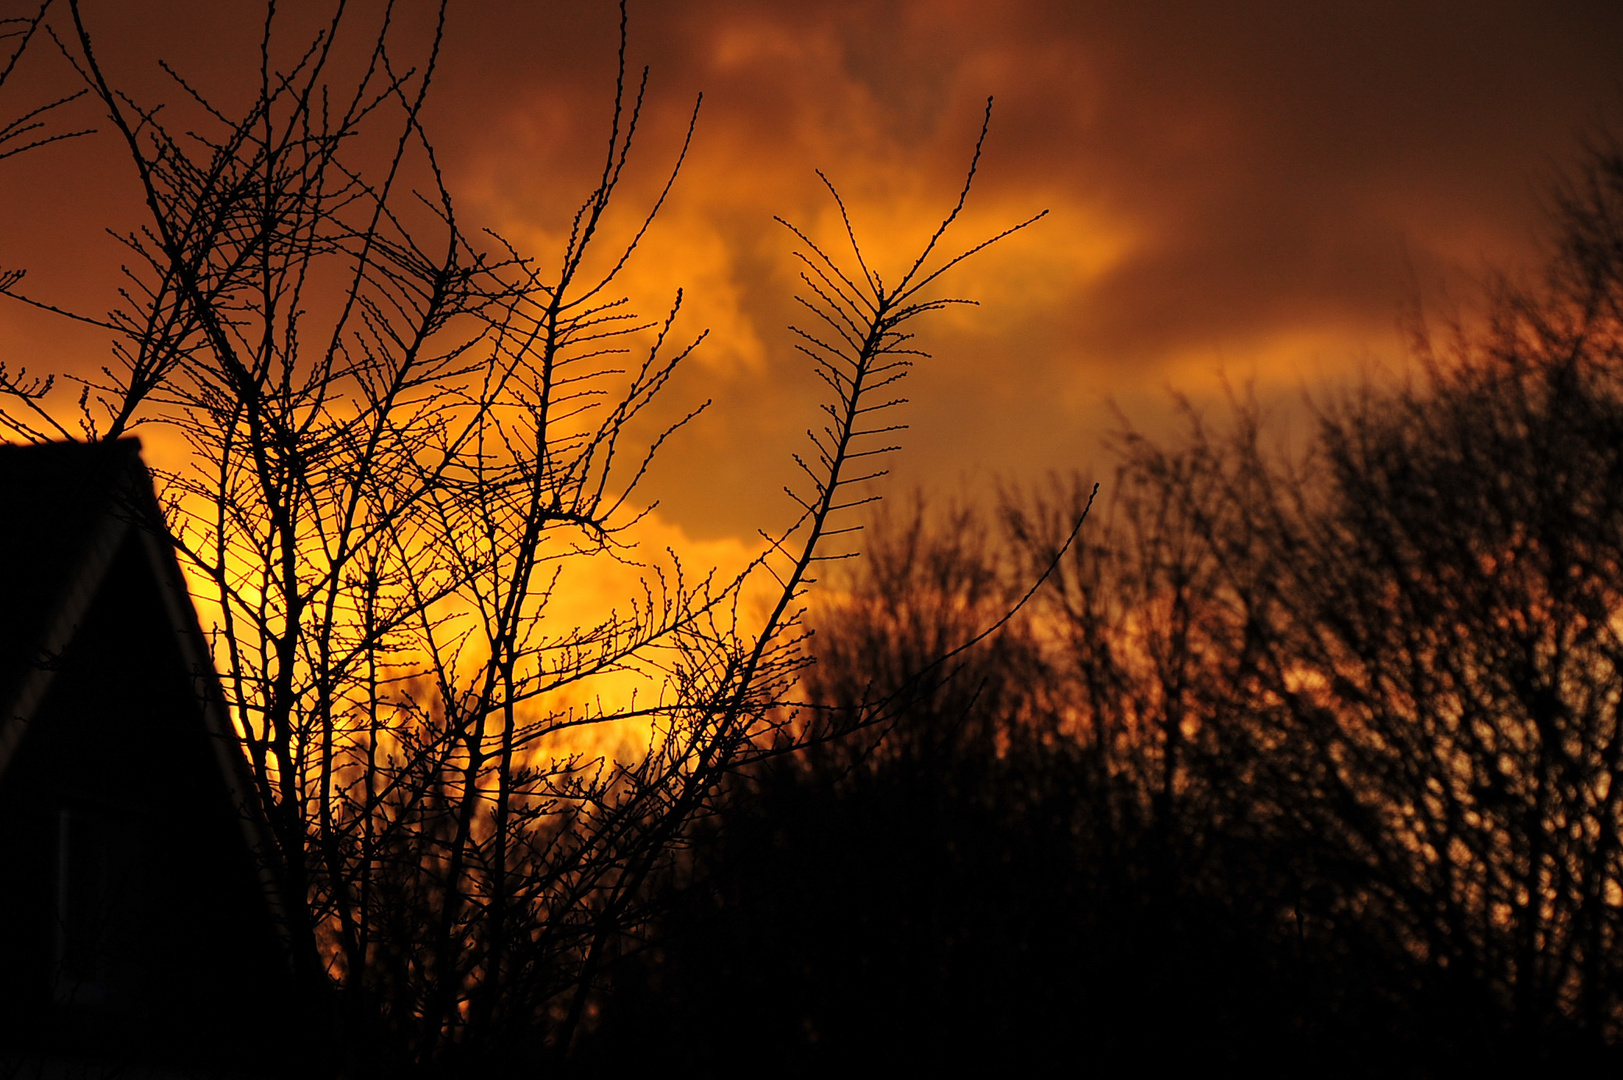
(85, 562)
(70, 508)
(67, 505)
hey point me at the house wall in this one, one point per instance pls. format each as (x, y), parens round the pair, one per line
(133, 926)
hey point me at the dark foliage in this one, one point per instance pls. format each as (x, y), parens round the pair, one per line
(958, 893)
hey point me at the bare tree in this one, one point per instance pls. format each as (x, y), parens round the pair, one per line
(31, 127)
(401, 436)
(1391, 668)
(1324, 747)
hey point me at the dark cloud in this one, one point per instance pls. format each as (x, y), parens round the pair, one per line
(1256, 184)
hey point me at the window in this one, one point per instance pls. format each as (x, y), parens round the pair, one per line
(99, 891)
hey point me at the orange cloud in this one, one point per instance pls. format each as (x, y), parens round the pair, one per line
(1253, 189)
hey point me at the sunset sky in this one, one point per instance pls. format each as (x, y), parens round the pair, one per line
(1255, 188)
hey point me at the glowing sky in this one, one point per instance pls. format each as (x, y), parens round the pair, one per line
(1257, 187)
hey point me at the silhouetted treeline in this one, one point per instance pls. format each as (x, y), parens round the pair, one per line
(1300, 761)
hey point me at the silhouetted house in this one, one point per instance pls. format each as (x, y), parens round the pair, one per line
(138, 922)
